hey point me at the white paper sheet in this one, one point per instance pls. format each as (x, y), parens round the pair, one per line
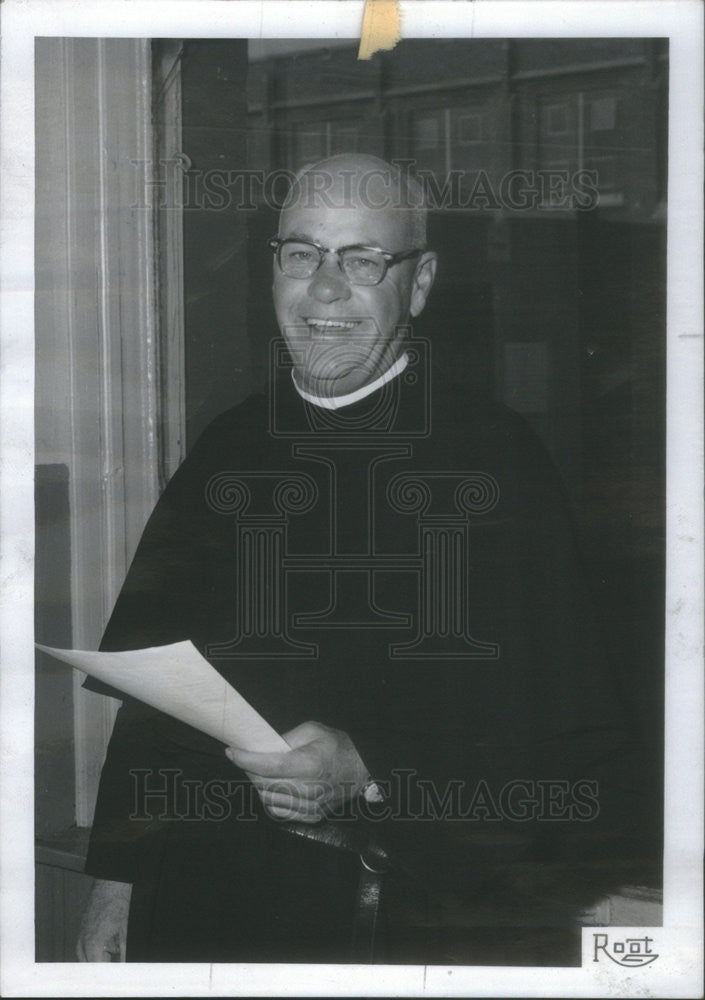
(177, 680)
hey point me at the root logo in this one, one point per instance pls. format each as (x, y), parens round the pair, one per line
(629, 952)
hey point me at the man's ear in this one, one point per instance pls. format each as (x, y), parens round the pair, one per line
(424, 277)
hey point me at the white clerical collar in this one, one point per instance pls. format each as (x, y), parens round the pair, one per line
(335, 402)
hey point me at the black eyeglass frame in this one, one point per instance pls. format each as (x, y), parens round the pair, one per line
(275, 244)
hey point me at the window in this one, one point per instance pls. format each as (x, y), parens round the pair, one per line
(315, 142)
(344, 139)
(602, 116)
(427, 133)
(555, 120)
(470, 129)
(311, 146)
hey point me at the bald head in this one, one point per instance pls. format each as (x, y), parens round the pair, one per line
(359, 182)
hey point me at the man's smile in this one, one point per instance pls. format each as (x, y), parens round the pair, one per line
(328, 325)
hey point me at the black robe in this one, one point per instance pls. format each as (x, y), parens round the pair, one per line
(403, 569)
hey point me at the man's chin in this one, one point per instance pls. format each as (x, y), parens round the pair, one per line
(333, 384)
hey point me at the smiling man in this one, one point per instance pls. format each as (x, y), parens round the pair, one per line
(352, 270)
(385, 568)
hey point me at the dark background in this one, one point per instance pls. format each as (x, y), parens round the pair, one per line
(557, 311)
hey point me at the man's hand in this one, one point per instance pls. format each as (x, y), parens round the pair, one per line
(103, 932)
(322, 769)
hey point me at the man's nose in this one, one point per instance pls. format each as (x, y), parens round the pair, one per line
(329, 284)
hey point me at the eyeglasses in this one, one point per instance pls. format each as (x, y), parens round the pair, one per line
(361, 265)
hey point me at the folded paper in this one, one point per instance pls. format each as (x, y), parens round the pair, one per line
(177, 680)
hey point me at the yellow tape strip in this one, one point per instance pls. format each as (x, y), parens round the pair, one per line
(380, 27)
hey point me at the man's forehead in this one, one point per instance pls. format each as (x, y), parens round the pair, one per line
(349, 225)
(354, 198)
(352, 182)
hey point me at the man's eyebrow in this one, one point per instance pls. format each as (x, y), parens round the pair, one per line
(297, 235)
(307, 238)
